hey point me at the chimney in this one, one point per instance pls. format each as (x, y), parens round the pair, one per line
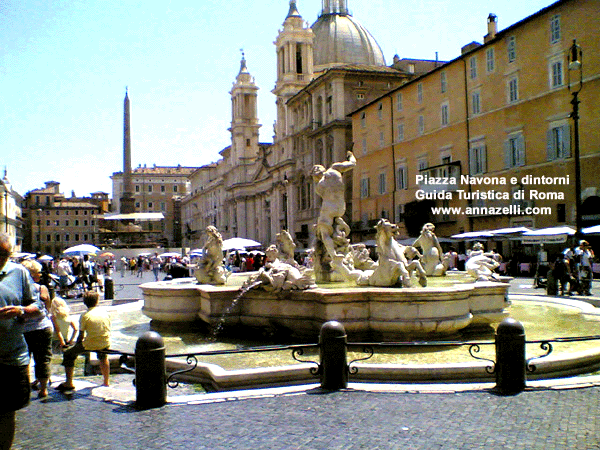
(492, 24)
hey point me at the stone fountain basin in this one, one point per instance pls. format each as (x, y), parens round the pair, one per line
(381, 313)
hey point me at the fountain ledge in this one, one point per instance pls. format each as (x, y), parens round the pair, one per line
(379, 312)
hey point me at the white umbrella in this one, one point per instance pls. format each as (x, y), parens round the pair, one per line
(552, 235)
(472, 235)
(82, 249)
(238, 243)
(45, 258)
(169, 255)
(591, 230)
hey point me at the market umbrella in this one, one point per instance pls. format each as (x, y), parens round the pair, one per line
(238, 243)
(107, 255)
(472, 235)
(45, 258)
(169, 255)
(552, 235)
(591, 230)
(82, 249)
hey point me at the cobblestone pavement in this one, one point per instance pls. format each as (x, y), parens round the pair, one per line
(535, 419)
(313, 419)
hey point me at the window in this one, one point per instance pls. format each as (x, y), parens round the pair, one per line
(422, 164)
(149, 188)
(443, 82)
(329, 105)
(380, 111)
(76, 223)
(445, 114)
(514, 151)
(556, 74)
(382, 183)
(513, 90)
(364, 187)
(561, 213)
(175, 188)
(57, 238)
(137, 188)
(476, 103)
(67, 238)
(76, 236)
(381, 139)
(163, 188)
(411, 68)
(399, 101)
(421, 125)
(512, 49)
(477, 159)
(47, 223)
(473, 67)
(420, 93)
(363, 120)
(555, 29)
(57, 223)
(66, 223)
(150, 206)
(360, 96)
(401, 178)
(490, 63)
(364, 146)
(85, 223)
(558, 145)
(137, 204)
(400, 132)
(163, 206)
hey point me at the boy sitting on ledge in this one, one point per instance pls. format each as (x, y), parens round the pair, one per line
(94, 335)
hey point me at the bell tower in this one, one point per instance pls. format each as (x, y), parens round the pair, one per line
(294, 46)
(244, 115)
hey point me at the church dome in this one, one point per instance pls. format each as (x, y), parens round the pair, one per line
(341, 39)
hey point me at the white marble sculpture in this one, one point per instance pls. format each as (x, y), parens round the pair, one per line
(432, 252)
(481, 265)
(392, 267)
(277, 276)
(210, 269)
(333, 257)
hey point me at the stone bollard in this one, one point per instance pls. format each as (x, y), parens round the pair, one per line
(109, 289)
(150, 374)
(333, 347)
(510, 357)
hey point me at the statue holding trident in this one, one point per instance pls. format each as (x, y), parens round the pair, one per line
(332, 252)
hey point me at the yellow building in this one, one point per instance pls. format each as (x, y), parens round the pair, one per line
(54, 222)
(488, 136)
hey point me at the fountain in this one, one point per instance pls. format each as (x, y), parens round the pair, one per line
(383, 300)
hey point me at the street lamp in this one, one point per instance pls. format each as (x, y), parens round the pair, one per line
(575, 83)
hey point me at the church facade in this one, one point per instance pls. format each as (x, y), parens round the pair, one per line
(324, 72)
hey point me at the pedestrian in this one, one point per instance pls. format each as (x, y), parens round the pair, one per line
(585, 254)
(140, 267)
(18, 301)
(64, 272)
(38, 332)
(155, 265)
(94, 335)
(65, 328)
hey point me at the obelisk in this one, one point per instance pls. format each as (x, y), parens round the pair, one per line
(127, 200)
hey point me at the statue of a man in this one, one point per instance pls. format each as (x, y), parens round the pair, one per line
(329, 185)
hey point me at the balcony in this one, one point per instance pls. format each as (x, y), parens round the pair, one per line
(442, 178)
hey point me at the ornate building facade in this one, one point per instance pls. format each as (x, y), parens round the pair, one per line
(499, 115)
(11, 219)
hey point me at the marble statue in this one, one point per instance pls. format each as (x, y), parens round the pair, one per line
(277, 276)
(432, 252)
(392, 267)
(333, 258)
(286, 248)
(481, 265)
(210, 268)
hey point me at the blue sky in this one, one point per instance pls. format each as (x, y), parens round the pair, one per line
(64, 66)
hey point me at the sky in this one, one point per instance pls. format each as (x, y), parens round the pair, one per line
(65, 65)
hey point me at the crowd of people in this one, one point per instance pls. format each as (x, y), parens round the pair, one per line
(33, 322)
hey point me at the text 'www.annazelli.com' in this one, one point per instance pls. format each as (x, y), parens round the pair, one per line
(492, 210)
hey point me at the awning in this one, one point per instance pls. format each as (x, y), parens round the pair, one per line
(135, 216)
(552, 235)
